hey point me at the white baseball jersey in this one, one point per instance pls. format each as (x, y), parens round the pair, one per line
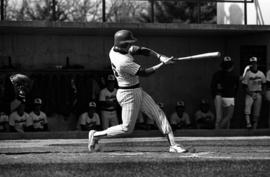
(17, 121)
(3, 121)
(175, 119)
(124, 68)
(254, 81)
(37, 121)
(133, 100)
(106, 95)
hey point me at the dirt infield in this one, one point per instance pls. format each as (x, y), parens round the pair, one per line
(216, 156)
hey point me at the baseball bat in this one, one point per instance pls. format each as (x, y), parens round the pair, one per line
(199, 56)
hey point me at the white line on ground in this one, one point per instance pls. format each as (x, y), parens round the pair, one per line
(42, 142)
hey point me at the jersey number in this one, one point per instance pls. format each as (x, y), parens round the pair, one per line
(114, 71)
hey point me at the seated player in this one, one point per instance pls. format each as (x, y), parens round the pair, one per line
(90, 119)
(204, 117)
(3, 122)
(38, 119)
(180, 119)
(108, 103)
(18, 117)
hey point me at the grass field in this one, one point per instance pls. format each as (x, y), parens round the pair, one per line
(216, 156)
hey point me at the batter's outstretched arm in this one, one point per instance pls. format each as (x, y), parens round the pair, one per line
(149, 71)
(137, 50)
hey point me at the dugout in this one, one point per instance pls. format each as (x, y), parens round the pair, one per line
(44, 47)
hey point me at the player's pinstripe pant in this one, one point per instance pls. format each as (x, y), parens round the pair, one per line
(132, 101)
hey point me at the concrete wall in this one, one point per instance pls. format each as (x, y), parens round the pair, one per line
(47, 51)
(187, 80)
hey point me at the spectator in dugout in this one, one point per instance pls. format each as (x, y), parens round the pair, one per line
(253, 84)
(180, 119)
(89, 120)
(268, 94)
(108, 103)
(204, 117)
(18, 117)
(37, 119)
(3, 122)
(224, 88)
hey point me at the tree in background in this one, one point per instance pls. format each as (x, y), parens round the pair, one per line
(185, 12)
(27, 10)
(127, 11)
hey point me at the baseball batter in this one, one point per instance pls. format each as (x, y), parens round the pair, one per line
(253, 84)
(131, 97)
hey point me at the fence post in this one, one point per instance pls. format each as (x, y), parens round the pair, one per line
(103, 10)
(152, 10)
(53, 10)
(245, 12)
(2, 10)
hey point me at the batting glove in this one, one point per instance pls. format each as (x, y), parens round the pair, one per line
(166, 60)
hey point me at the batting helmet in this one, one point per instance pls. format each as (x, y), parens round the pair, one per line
(122, 37)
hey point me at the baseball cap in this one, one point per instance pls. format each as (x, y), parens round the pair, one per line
(110, 77)
(227, 62)
(227, 59)
(180, 103)
(253, 59)
(92, 104)
(37, 101)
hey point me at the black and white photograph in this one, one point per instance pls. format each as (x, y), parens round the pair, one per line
(135, 88)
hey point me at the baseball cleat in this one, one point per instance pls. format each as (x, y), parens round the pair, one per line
(178, 149)
(92, 141)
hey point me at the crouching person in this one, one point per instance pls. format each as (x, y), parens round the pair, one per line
(38, 119)
(89, 120)
(18, 117)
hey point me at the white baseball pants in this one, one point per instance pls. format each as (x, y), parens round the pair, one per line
(224, 111)
(132, 101)
(256, 102)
